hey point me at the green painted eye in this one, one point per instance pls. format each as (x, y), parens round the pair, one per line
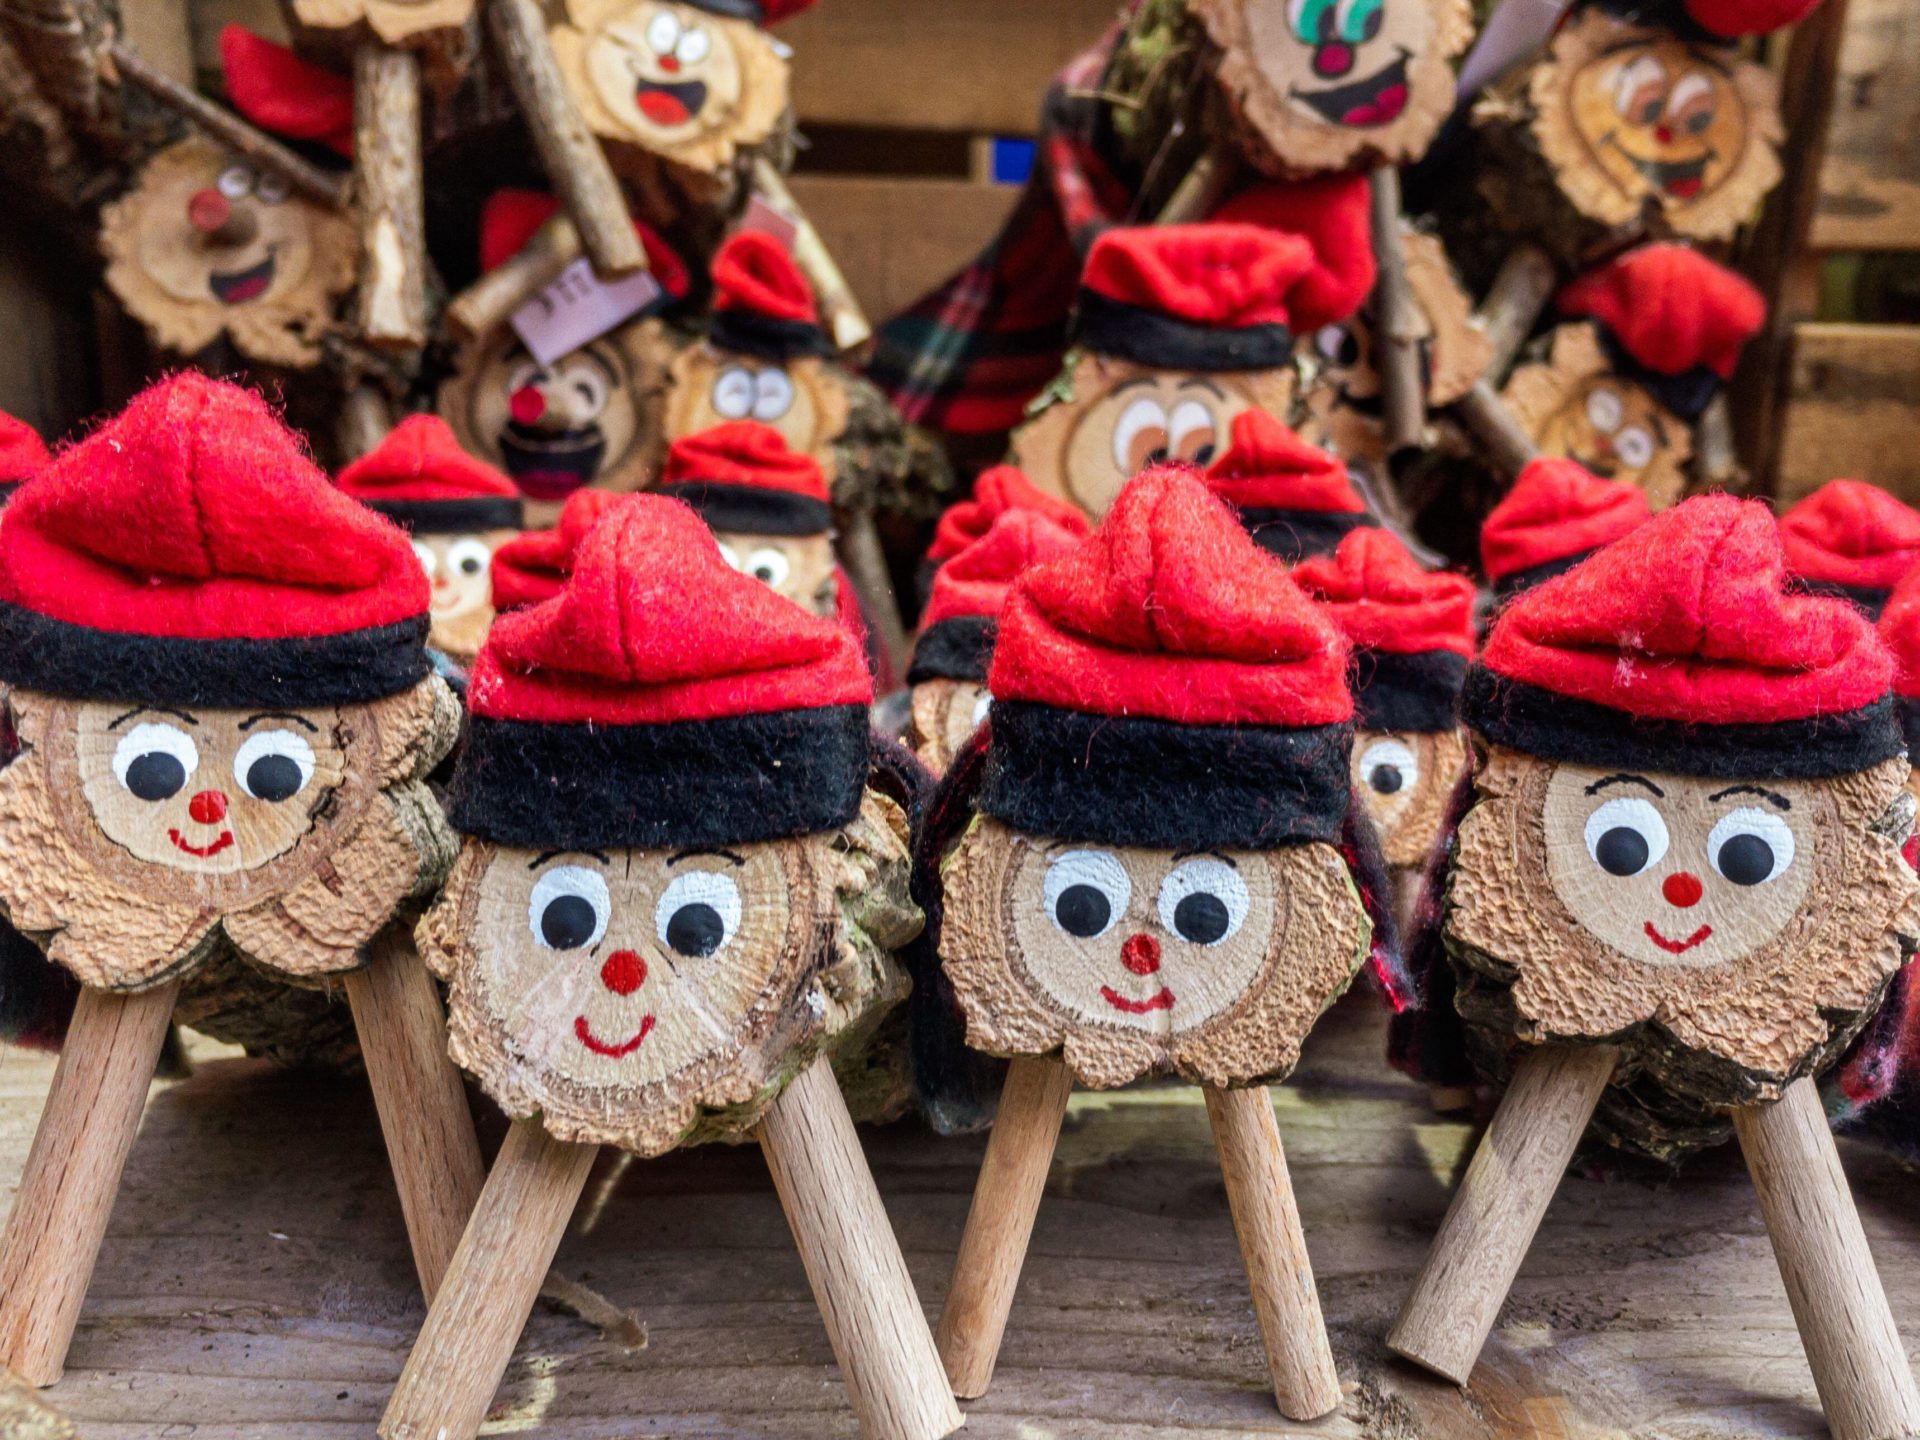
(1359, 20)
(1311, 19)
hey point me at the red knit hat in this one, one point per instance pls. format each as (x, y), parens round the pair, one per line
(1412, 630)
(957, 628)
(1293, 498)
(1900, 628)
(1852, 540)
(1731, 19)
(760, 12)
(1556, 515)
(508, 219)
(189, 553)
(1681, 648)
(1166, 685)
(1673, 319)
(533, 567)
(1332, 214)
(22, 454)
(741, 477)
(762, 304)
(661, 699)
(995, 492)
(420, 478)
(280, 92)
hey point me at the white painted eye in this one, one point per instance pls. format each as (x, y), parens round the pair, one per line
(468, 556)
(273, 765)
(569, 908)
(1389, 768)
(1635, 446)
(429, 561)
(729, 554)
(698, 913)
(694, 46)
(1626, 836)
(235, 182)
(153, 761)
(272, 189)
(663, 32)
(1086, 891)
(586, 387)
(1750, 846)
(772, 395)
(525, 373)
(769, 566)
(981, 706)
(1639, 90)
(1190, 433)
(734, 393)
(1203, 901)
(1604, 411)
(1140, 435)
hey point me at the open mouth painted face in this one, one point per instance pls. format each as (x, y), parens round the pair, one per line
(1660, 117)
(236, 287)
(560, 426)
(668, 71)
(234, 235)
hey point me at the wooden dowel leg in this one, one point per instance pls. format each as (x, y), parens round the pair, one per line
(490, 1287)
(1396, 321)
(1006, 1197)
(1514, 302)
(1260, 1193)
(859, 1277)
(1200, 191)
(1509, 448)
(1499, 1206)
(423, 1106)
(1859, 1366)
(866, 562)
(1409, 886)
(59, 1215)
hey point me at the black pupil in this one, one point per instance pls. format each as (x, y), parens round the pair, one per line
(1201, 918)
(470, 566)
(567, 922)
(1386, 779)
(696, 929)
(1622, 851)
(763, 573)
(273, 777)
(1204, 455)
(1082, 910)
(155, 775)
(1746, 860)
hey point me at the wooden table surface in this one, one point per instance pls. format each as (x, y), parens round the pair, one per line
(256, 1282)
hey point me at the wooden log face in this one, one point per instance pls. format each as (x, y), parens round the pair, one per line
(1326, 86)
(1739, 918)
(806, 400)
(1406, 779)
(618, 995)
(671, 79)
(1134, 962)
(298, 834)
(1108, 419)
(460, 571)
(1576, 406)
(1632, 117)
(393, 21)
(800, 567)
(263, 265)
(945, 713)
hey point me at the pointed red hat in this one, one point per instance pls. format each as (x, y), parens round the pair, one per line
(662, 699)
(1681, 648)
(1332, 214)
(189, 553)
(534, 567)
(280, 92)
(508, 219)
(420, 477)
(1852, 540)
(996, 491)
(1294, 498)
(1556, 515)
(22, 454)
(1900, 628)
(762, 304)
(742, 478)
(1731, 19)
(957, 628)
(760, 12)
(1166, 685)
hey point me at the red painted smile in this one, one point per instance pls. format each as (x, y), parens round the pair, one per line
(600, 1047)
(1162, 1001)
(219, 843)
(1678, 947)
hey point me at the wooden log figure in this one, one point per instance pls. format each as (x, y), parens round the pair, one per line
(1680, 891)
(947, 681)
(1653, 337)
(533, 567)
(1557, 514)
(1110, 914)
(395, 22)
(675, 900)
(1851, 540)
(459, 511)
(226, 714)
(1294, 499)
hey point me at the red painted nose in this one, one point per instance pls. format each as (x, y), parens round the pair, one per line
(527, 404)
(624, 972)
(1664, 134)
(208, 210)
(670, 64)
(209, 807)
(1141, 954)
(1682, 890)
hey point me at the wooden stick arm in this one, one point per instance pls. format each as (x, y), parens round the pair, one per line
(1198, 195)
(1510, 449)
(491, 300)
(389, 179)
(1519, 293)
(1396, 322)
(845, 319)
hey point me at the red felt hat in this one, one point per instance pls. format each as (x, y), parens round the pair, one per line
(189, 553)
(996, 491)
(760, 12)
(533, 567)
(1556, 515)
(420, 477)
(1681, 648)
(22, 453)
(661, 699)
(743, 478)
(957, 627)
(508, 219)
(1332, 214)
(1294, 498)
(1900, 628)
(1731, 19)
(762, 304)
(1852, 540)
(1166, 685)
(280, 92)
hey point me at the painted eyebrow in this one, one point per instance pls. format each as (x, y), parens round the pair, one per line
(280, 715)
(1127, 385)
(1624, 779)
(150, 710)
(1180, 855)
(1771, 797)
(726, 855)
(1196, 383)
(545, 855)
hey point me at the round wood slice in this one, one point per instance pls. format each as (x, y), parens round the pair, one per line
(805, 399)
(1406, 779)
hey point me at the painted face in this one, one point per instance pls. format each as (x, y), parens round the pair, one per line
(460, 576)
(799, 399)
(237, 235)
(1406, 779)
(555, 428)
(668, 73)
(800, 567)
(945, 715)
(1613, 427)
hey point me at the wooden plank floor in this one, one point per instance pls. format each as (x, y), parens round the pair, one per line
(255, 1280)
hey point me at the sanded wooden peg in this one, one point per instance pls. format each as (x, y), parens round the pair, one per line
(1397, 324)
(1510, 449)
(59, 1214)
(1514, 301)
(854, 1263)
(422, 1103)
(1498, 1207)
(846, 321)
(1853, 1348)
(1006, 1198)
(1203, 187)
(490, 1287)
(391, 195)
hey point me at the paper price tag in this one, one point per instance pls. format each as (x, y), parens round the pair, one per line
(579, 307)
(761, 216)
(1513, 33)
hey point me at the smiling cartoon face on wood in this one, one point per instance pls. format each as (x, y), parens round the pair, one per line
(801, 398)
(1630, 117)
(800, 567)
(206, 244)
(1405, 779)
(460, 571)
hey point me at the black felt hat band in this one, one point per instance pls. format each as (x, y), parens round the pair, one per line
(1521, 580)
(753, 509)
(767, 337)
(454, 517)
(956, 649)
(1418, 693)
(1295, 534)
(1686, 395)
(1148, 337)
